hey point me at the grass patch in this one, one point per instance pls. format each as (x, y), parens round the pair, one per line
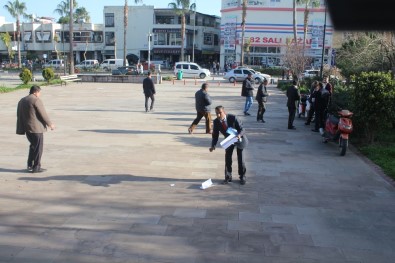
(382, 153)
(4, 89)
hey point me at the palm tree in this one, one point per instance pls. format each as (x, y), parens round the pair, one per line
(243, 27)
(81, 15)
(16, 9)
(125, 25)
(181, 8)
(314, 3)
(63, 9)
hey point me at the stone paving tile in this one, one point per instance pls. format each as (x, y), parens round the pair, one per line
(32, 255)
(8, 252)
(308, 252)
(190, 213)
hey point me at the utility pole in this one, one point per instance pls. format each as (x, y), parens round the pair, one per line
(193, 41)
(323, 46)
(71, 55)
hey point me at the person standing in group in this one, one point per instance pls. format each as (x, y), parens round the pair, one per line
(149, 92)
(141, 69)
(32, 120)
(203, 109)
(320, 105)
(293, 96)
(261, 98)
(217, 67)
(311, 99)
(247, 90)
(221, 124)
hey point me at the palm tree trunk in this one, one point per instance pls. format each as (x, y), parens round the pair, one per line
(295, 23)
(243, 27)
(71, 55)
(182, 36)
(125, 24)
(18, 34)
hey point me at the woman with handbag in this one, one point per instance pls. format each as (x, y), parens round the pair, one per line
(261, 98)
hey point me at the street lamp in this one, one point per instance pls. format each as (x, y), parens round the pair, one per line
(323, 45)
(193, 41)
(149, 50)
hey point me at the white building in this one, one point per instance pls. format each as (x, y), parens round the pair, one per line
(269, 29)
(46, 39)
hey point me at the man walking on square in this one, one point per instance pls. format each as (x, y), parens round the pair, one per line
(149, 92)
(203, 109)
(247, 90)
(33, 120)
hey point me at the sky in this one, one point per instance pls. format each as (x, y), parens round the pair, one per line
(95, 7)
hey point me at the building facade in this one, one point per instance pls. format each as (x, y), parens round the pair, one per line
(47, 40)
(269, 30)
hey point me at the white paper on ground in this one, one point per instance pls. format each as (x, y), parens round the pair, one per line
(206, 184)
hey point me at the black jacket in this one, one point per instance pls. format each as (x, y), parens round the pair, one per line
(293, 95)
(247, 90)
(202, 101)
(262, 92)
(148, 87)
(232, 122)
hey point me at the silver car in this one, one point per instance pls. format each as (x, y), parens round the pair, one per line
(240, 74)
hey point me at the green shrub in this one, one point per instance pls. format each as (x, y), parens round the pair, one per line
(26, 76)
(48, 74)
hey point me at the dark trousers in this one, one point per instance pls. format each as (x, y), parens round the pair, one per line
(152, 97)
(291, 116)
(199, 116)
(310, 115)
(320, 118)
(35, 150)
(261, 111)
(240, 161)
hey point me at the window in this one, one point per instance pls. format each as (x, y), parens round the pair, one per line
(215, 40)
(110, 38)
(82, 36)
(27, 37)
(237, 71)
(109, 19)
(194, 67)
(44, 36)
(184, 66)
(208, 39)
(98, 37)
(168, 20)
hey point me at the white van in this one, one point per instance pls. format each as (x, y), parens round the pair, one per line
(112, 63)
(89, 63)
(55, 63)
(191, 70)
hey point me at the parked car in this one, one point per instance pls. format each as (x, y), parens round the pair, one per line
(240, 74)
(266, 76)
(89, 63)
(191, 70)
(310, 73)
(112, 63)
(55, 63)
(128, 70)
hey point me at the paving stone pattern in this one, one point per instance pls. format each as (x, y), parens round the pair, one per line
(122, 185)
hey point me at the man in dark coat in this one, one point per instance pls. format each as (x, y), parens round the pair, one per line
(221, 124)
(293, 96)
(33, 120)
(247, 90)
(203, 109)
(149, 92)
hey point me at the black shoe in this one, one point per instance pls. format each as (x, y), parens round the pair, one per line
(243, 180)
(146, 110)
(40, 170)
(246, 113)
(263, 121)
(152, 109)
(307, 123)
(30, 168)
(314, 130)
(227, 180)
(292, 128)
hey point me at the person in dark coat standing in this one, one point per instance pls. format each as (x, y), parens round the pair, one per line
(293, 96)
(149, 92)
(261, 98)
(33, 121)
(203, 109)
(247, 90)
(221, 125)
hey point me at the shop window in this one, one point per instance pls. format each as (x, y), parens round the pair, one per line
(110, 39)
(208, 39)
(44, 36)
(27, 36)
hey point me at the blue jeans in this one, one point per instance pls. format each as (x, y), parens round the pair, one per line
(248, 103)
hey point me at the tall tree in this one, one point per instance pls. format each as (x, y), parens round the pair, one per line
(313, 3)
(63, 9)
(125, 25)
(81, 15)
(243, 27)
(17, 9)
(182, 7)
(294, 21)
(6, 38)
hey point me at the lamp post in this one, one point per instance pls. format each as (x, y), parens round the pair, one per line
(323, 45)
(193, 37)
(149, 51)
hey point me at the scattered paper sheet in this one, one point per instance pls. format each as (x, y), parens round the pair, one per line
(206, 184)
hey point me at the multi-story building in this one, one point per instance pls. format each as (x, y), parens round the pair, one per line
(269, 29)
(45, 39)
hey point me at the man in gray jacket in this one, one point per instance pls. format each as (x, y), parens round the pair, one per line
(33, 120)
(203, 109)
